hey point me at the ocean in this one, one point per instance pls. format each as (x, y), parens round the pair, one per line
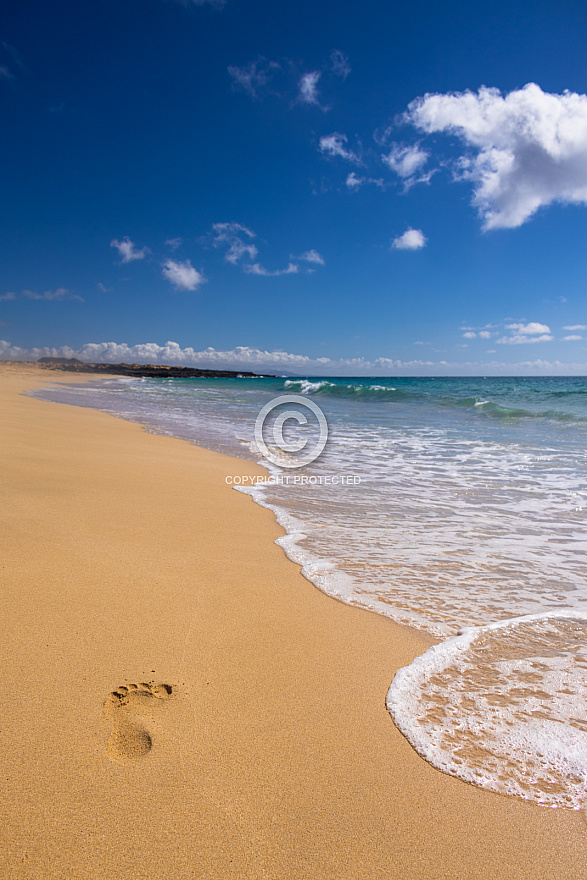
(454, 505)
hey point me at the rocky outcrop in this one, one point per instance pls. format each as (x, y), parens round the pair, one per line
(150, 371)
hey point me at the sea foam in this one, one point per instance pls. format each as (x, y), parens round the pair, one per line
(504, 707)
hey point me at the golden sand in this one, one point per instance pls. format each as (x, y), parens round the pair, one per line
(179, 702)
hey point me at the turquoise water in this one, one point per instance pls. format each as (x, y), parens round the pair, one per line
(445, 504)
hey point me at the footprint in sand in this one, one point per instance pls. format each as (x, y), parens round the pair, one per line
(131, 708)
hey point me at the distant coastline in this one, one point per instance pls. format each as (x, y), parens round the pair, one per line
(148, 371)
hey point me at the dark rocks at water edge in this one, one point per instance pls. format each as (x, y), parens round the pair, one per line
(148, 371)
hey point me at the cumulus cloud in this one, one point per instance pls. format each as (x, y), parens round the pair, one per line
(128, 251)
(340, 64)
(335, 145)
(572, 338)
(474, 334)
(576, 327)
(410, 240)
(526, 150)
(531, 329)
(277, 361)
(526, 333)
(308, 88)
(7, 296)
(241, 357)
(182, 275)
(253, 78)
(406, 162)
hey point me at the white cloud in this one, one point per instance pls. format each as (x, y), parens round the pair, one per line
(354, 183)
(53, 295)
(128, 250)
(231, 235)
(258, 360)
(410, 240)
(335, 145)
(254, 78)
(473, 334)
(241, 357)
(308, 88)
(258, 78)
(57, 295)
(182, 275)
(576, 327)
(526, 333)
(174, 243)
(237, 240)
(406, 161)
(340, 64)
(312, 256)
(531, 329)
(529, 148)
(257, 269)
(572, 338)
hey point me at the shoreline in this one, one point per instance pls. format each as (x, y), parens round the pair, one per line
(127, 559)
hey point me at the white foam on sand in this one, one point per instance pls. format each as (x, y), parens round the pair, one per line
(504, 706)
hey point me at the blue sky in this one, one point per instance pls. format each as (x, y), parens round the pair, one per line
(319, 187)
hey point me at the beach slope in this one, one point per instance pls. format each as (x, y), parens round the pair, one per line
(179, 702)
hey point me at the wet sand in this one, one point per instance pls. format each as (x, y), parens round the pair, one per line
(179, 702)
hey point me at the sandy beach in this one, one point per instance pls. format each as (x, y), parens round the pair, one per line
(180, 702)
